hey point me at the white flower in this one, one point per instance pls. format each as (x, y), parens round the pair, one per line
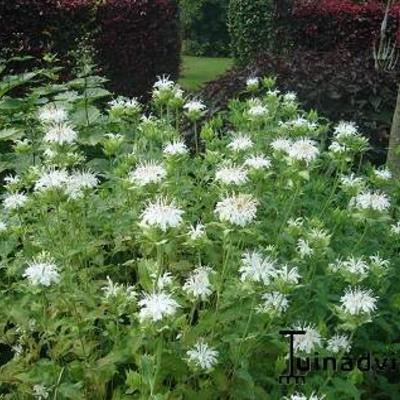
(18, 350)
(148, 172)
(356, 266)
(336, 147)
(112, 290)
(295, 223)
(162, 214)
(371, 200)
(175, 148)
(156, 306)
(3, 226)
(304, 249)
(289, 97)
(351, 181)
(357, 301)
(257, 111)
(60, 134)
(51, 179)
(198, 284)
(14, 201)
(300, 122)
(237, 209)
(300, 396)
(275, 303)
(273, 93)
(240, 142)
(303, 150)
(287, 275)
(78, 181)
(231, 174)
(395, 228)
(307, 342)
(42, 271)
(256, 268)
(344, 129)
(163, 281)
(384, 174)
(12, 180)
(122, 102)
(194, 106)
(203, 356)
(258, 162)
(339, 343)
(252, 83)
(197, 232)
(40, 392)
(281, 144)
(164, 83)
(52, 114)
(49, 153)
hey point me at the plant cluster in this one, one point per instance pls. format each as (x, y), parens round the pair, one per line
(131, 268)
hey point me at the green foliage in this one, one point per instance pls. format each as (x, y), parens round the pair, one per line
(120, 251)
(204, 27)
(251, 27)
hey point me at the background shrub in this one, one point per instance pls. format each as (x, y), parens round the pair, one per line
(34, 27)
(134, 40)
(251, 26)
(339, 84)
(138, 40)
(204, 27)
(327, 24)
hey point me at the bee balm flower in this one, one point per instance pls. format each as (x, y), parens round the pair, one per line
(162, 215)
(148, 172)
(238, 209)
(202, 356)
(358, 301)
(156, 306)
(42, 271)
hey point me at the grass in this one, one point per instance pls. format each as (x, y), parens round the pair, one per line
(198, 70)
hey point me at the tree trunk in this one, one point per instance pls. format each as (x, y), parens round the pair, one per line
(393, 157)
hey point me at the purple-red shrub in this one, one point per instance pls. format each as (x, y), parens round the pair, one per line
(138, 40)
(135, 40)
(327, 24)
(33, 27)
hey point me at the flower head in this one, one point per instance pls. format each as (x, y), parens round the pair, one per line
(303, 150)
(14, 201)
(113, 290)
(368, 200)
(274, 303)
(156, 306)
(203, 356)
(357, 301)
(162, 214)
(256, 268)
(258, 162)
(51, 179)
(78, 181)
(148, 172)
(231, 174)
(339, 343)
(197, 232)
(240, 142)
(237, 209)
(52, 114)
(60, 134)
(198, 284)
(175, 148)
(307, 342)
(42, 271)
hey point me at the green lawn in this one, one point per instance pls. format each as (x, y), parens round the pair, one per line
(199, 70)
